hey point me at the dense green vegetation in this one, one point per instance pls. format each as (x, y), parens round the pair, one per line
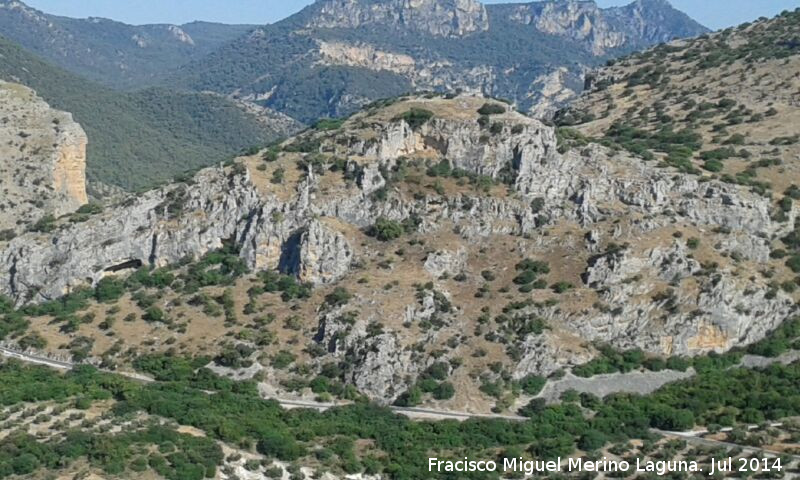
(613, 361)
(139, 139)
(178, 456)
(109, 52)
(236, 415)
(784, 338)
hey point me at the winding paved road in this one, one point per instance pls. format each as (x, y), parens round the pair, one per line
(411, 412)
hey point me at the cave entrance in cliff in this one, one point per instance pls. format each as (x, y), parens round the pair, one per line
(127, 265)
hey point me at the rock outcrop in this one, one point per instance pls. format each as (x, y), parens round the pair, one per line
(42, 159)
(446, 262)
(640, 23)
(442, 18)
(156, 229)
(582, 21)
(325, 254)
(544, 354)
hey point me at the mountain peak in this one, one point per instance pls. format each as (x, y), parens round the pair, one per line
(441, 18)
(657, 21)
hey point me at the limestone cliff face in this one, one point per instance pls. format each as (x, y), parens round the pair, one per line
(365, 56)
(42, 159)
(642, 22)
(583, 21)
(443, 18)
(551, 91)
(158, 228)
(69, 172)
(325, 254)
(521, 51)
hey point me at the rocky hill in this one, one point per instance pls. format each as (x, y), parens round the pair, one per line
(720, 108)
(110, 52)
(338, 55)
(44, 152)
(621, 286)
(435, 250)
(722, 105)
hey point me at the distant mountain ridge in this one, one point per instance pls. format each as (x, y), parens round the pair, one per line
(140, 139)
(328, 60)
(111, 52)
(337, 55)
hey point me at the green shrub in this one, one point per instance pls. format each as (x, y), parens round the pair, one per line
(444, 391)
(532, 384)
(386, 230)
(90, 208)
(713, 166)
(794, 263)
(561, 287)
(338, 297)
(109, 289)
(45, 224)
(328, 124)
(415, 117)
(155, 314)
(282, 359)
(592, 440)
(491, 109)
(278, 175)
(270, 155)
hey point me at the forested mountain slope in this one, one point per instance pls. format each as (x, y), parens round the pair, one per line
(139, 139)
(335, 56)
(109, 52)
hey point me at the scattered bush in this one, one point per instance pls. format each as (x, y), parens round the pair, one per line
(386, 230)
(491, 109)
(415, 117)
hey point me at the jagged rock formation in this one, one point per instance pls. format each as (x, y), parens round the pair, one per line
(325, 254)
(446, 262)
(441, 18)
(158, 228)
(602, 30)
(548, 92)
(44, 159)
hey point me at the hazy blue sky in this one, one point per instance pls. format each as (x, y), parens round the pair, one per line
(712, 13)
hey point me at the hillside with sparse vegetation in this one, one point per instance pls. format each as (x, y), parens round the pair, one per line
(435, 275)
